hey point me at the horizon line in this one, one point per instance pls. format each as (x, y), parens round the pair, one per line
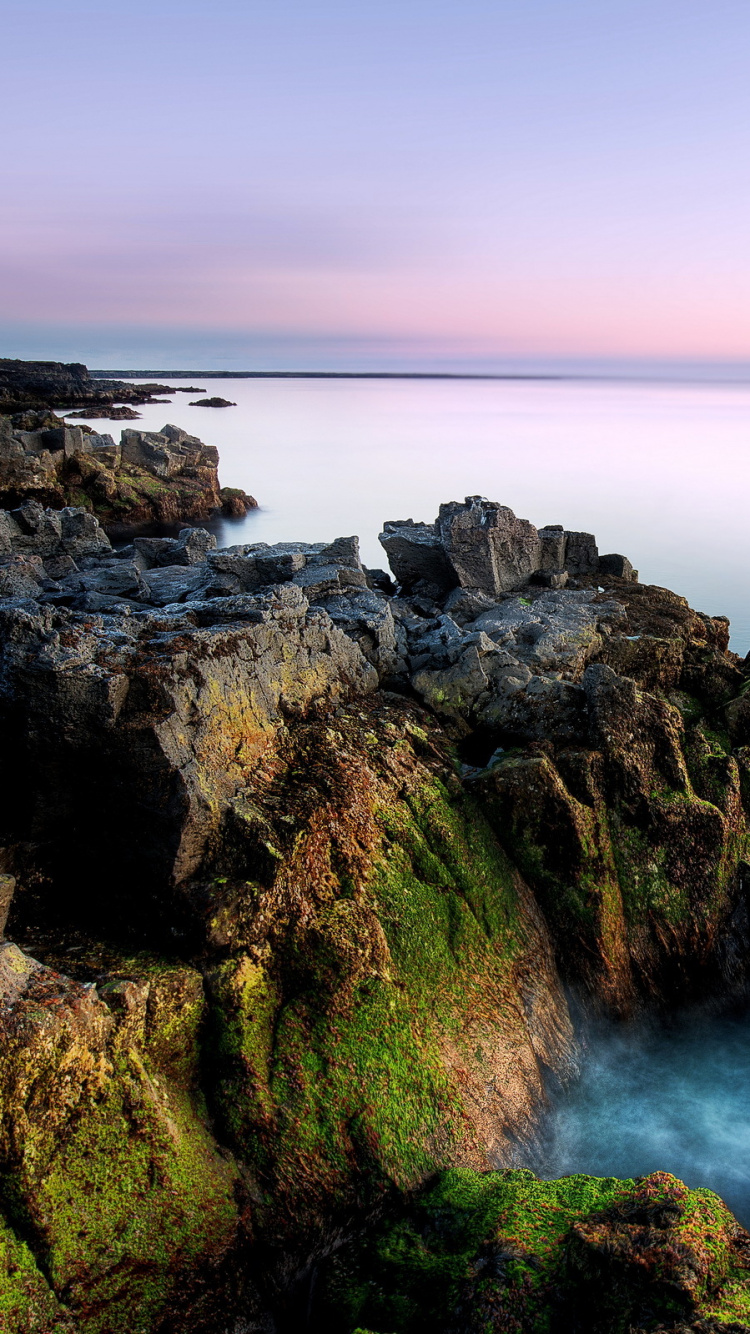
(659, 376)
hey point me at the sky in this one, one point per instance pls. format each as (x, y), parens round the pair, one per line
(308, 182)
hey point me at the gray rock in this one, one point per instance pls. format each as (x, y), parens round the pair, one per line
(193, 545)
(619, 566)
(581, 553)
(160, 724)
(81, 533)
(22, 577)
(465, 604)
(172, 583)
(119, 579)
(319, 580)
(487, 546)
(155, 551)
(416, 555)
(366, 617)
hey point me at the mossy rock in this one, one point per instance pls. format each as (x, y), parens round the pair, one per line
(503, 1252)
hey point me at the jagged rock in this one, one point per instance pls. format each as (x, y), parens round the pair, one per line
(176, 714)
(366, 617)
(33, 384)
(417, 556)
(379, 943)
(480, 545)
(487, 546)
(506, 1251)
(53, 463)
(619, 566)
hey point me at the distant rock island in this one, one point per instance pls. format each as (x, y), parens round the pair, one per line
(213, 403)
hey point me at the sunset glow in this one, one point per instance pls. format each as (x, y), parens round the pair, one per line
(493, 180)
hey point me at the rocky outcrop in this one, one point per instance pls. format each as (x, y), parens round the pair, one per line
(483, 546)
(148, 477)
(296, 868)
(28, 385)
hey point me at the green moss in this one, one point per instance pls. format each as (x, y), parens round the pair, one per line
(136, 1198)
(340, 1074)
(506, 1251)
(27, 1303)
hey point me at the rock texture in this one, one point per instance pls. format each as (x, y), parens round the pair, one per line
(299, 872)
(482, 545)
(147, 477)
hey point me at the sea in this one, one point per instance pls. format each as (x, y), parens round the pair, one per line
(658, 471)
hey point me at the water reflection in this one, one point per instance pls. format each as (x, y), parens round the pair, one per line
(676, 1100)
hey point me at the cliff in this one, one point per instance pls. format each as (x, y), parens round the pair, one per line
(302, 868)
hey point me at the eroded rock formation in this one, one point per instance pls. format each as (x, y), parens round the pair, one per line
(163, 476)
(296, 864)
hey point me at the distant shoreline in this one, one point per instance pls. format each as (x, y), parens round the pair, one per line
(529, 377)
(323, 375)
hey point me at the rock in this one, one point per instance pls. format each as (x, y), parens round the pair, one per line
(380, 580)
(235, 502)
(172, 583)
(481, 546)
(193, 545)
(7, 890)
(197, 763)
(417, 556)
(213, 403)
(164, 476)
(365, 616)
(114, 414)
(32, 384)
(487, 546)
(619, 566)
(187, 711)
(506, 1251)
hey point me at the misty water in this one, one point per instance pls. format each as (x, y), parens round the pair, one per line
(674, 1100)
(658, 471)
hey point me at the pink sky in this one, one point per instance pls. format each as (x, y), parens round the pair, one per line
(500, 178)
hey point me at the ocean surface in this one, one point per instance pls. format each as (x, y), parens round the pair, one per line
(658, 471)
(673, 1100)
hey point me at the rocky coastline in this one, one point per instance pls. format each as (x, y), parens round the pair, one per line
(148, 477)
(310, 872)
(38, 386)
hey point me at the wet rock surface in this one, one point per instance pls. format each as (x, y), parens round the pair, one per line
(301, 866)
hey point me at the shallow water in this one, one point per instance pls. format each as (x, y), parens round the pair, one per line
(657, 471)
(675, 1100)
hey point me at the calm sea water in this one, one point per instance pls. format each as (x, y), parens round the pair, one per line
(660, 472)
(674, 1101)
